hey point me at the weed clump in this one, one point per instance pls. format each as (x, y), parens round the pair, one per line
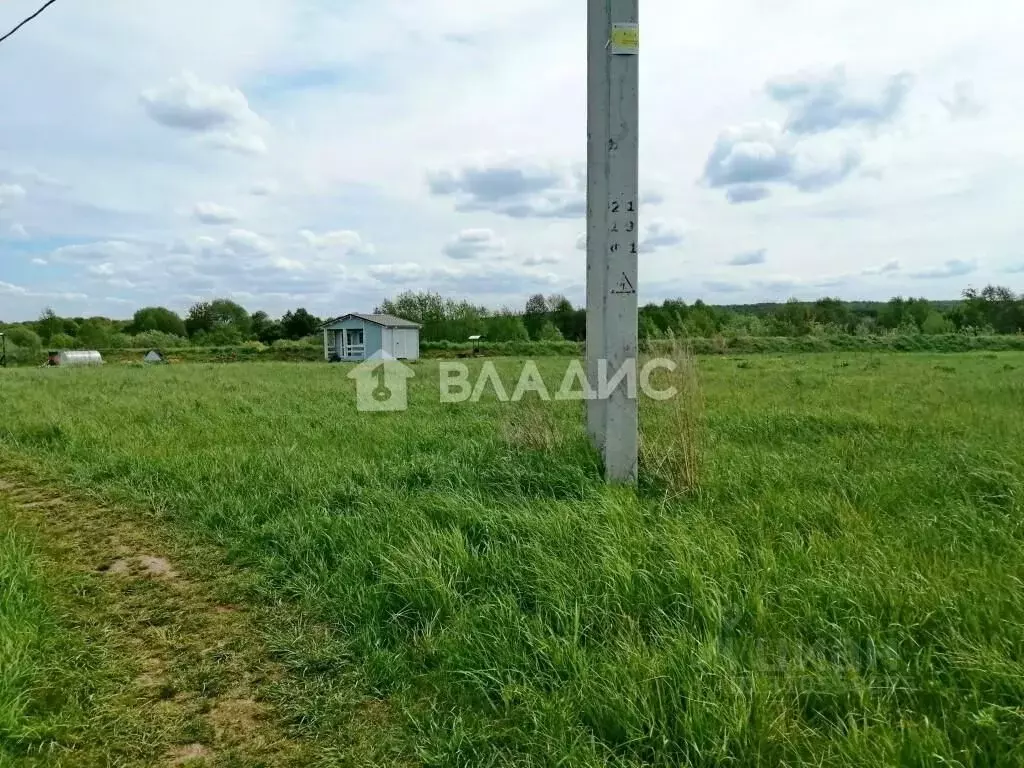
(671, 445)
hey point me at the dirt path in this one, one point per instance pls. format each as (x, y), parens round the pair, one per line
(191, 672)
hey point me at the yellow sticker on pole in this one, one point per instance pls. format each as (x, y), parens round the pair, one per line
(625, 39)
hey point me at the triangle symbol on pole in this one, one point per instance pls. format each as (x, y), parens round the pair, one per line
(624, 285)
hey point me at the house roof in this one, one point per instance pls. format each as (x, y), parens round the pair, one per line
(387, 321)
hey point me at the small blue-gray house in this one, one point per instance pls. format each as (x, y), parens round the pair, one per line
(356, 336)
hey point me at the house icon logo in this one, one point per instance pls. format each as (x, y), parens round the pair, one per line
(382, 384)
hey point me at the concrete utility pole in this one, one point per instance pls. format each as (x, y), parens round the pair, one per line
(613, 228)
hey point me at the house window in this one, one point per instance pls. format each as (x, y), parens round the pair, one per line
(354, 337)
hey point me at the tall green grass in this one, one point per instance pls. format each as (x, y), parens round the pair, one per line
(841, 587)
(34, 654)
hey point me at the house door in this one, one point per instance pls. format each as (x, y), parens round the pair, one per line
(400, 351)
(354, 345)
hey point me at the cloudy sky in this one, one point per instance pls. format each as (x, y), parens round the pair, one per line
(300, 152)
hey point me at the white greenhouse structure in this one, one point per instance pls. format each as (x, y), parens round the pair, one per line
(76, 359)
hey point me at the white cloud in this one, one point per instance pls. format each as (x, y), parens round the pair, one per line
(40, 262)
(86, 253)
(747, 159)
(10, 194)
(723, 286)
(397, 273)
(105, 269)
(750, 258)
(479, 280)
(516, 188)
(963, 104)
(220, 113)
(343, 241)
(660, 234)
(263, 189)
(242, 242)
(825, 102)
(472, 244)
(236, 141)
(747, 193)
(11, 288)
(19, 290)
(212, 213)
(187, 103)
(542, 259)
(890, 267)
(18, 231)
(951, 268)
(830, 281)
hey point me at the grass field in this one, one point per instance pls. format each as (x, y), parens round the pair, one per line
(845, 587)
(27, 629)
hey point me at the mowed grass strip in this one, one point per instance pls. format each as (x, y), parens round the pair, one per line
(27, 646)
(124, 647)
(843, 589)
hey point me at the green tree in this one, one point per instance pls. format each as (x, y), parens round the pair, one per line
(62, 341)
(506, 326)
(893, 314)
(266, 329)
(420, 307)
(94, 333)
(228, 317)
(536, 315)
(936, 324)
(49, 324)
(228, 313)
(835, 313)
(794, 318)
(299, 324)
(648, 328)
(24, 337)
(700, 321)
(157, 319)
(999, 308)
(224, 336)
(120, 341)
(200, 319)
(549, 332)
(918, 311)
(571, 322)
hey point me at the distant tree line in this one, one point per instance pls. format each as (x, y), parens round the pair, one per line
(217, 323)
(994, 310)
(224, 323)
(551, 318)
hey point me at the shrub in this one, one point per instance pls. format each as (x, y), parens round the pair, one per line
(157, 340)
(120, 341)
(62, 341)
(26, 338)
(288, 344)
(23, 355)
(549, 332)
